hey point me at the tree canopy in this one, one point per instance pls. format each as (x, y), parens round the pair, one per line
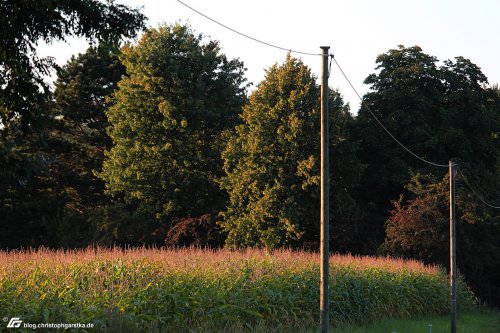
(26, 23)
(272, 161)
(167, 123)
(439, 112)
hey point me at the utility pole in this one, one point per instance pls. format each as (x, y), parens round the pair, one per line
(453, 249)
(325, 204)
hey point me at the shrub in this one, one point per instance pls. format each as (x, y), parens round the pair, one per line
(201, 231)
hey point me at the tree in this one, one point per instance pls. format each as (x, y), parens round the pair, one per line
(28, 204)
(272, 162)
(438, 112)
(24, 203)
(79, 136)
(76, 139)
(200, 232)
(167, 123)
(418, 228)
(25, 23)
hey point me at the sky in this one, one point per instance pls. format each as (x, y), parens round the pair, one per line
(356, 31)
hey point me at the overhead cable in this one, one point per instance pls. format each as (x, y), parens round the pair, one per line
(382, 125)
(350, 84)
(475, 193)
(247, 36)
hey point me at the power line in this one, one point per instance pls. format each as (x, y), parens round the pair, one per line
(475, 193)
(247, 36)
(479, 188)
(382, 125)
(350, 84)
(407, 149)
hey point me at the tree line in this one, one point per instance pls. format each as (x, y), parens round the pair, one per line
(164, 142)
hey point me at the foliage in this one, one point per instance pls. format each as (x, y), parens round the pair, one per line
(76, 136)
(440, 113)
(24, 202)
(419, 228)
(30, 199)
(119, 224)
(159, 290)
(272, 162)
(201, 232)
(63, 189)
(81, 89)
(167, 123)
(26, 23)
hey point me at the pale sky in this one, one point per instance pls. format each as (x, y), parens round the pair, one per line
(356, 30)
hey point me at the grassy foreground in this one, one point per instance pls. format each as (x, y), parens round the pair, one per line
(484, 321)
(185, 290)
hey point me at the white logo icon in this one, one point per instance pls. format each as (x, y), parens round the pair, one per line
(14, 322)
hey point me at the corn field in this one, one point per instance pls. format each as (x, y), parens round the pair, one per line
(196, 290)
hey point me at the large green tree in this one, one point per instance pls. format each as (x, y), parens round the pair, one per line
(28, 194)
(167, 123)
(439, 112)
(272, 162)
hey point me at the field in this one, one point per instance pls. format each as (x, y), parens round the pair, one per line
(197, 290)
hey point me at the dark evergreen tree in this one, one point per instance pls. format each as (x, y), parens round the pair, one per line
(76, 139)
(29, 200)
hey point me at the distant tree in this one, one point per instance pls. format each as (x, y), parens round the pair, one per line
(24, 202)
(438, 112)
(167, 123)
(418, 227)
(82, 86)
(76, 139)
(272, 162)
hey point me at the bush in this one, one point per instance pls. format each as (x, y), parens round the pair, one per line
(200, 232)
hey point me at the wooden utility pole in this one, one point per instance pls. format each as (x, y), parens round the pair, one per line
(453, 250)
(325, 204)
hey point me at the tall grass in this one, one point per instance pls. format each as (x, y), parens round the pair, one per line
(202, 290)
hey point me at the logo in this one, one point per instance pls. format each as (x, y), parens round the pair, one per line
(14, 322)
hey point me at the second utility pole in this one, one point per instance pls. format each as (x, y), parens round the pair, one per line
(453, 248)
(325, 204)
